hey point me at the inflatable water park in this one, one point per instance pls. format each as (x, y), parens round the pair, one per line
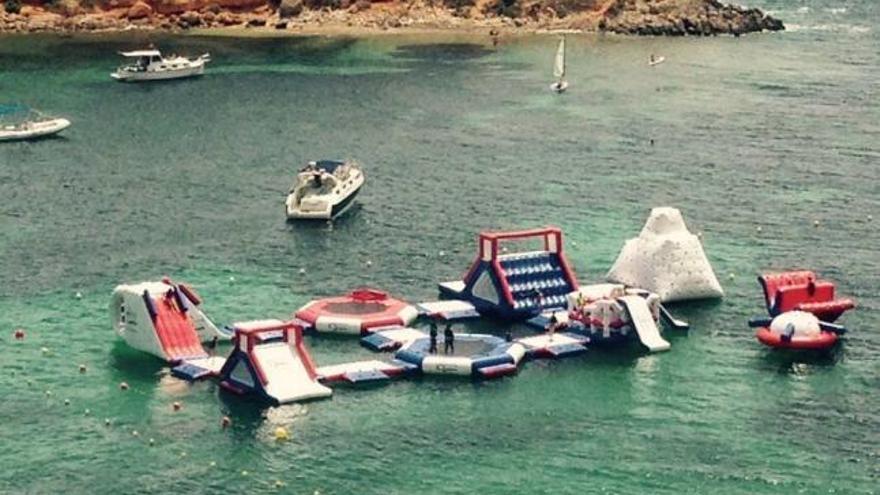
(505, 284)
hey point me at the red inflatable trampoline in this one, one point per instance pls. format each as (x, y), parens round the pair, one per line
(359, 313)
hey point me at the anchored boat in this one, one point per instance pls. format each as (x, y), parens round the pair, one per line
(28, 123)
(33, 129)
(324, 189)
(150, 65)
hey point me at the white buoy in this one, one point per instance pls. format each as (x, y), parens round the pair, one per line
(44, 350)
(87, 412)
(731, 276)
(244, 473)
(759, 229)
(815, 223)
(135, 433)
(107, 421)
(870, 217)
(79, 295)
(442, 253)
(66, 402)
(369, 263)
(152, 442)
(212, 464)
(232, 279)
(48, 393)
(302, 271)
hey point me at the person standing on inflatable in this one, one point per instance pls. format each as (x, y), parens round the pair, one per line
(552, 326)
(448, 340)
(432, 349)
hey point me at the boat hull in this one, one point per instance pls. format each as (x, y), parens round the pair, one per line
(163, 75)
(336, 209)
(39, 130)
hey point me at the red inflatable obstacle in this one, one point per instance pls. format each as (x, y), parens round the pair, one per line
(520, 284)
(797, 330)
(801, 291)
(360, 312)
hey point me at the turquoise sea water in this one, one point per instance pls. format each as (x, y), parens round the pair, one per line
(187, 179)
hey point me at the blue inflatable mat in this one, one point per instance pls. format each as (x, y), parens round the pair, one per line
(366, 376)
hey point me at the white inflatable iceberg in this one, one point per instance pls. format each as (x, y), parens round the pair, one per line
(666, 259)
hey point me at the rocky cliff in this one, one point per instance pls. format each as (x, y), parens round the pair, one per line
(639, 17)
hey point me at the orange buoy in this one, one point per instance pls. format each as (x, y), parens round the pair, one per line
(18, 334)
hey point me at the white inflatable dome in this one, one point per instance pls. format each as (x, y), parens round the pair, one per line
(666, 259)
(796, 323)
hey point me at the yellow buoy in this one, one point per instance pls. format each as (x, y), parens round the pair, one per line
(281, 434)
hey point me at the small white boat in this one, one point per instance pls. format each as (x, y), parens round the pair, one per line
(150, 65)
(324, 189)
(33, 129)
(656, 60)
(559, 69)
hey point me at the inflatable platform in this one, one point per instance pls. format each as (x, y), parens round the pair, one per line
(802, 291)
(666, 259)
(358, 313)
(361, 372)
(163, 319)
(270, 360)
(516, 285)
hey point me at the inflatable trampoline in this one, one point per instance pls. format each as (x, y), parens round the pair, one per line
(358, 313)
(476, 355)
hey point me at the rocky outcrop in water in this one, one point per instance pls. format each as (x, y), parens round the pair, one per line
(683, 17)
(636, 17)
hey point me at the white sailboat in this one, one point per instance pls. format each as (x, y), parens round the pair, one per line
(559, 68)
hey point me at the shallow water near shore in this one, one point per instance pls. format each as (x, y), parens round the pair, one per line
(188, 178)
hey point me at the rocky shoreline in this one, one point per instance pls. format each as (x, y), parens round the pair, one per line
(633, 17)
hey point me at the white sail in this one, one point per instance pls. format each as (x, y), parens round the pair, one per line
(559, 64)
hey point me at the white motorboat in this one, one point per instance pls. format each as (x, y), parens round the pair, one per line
(324, 189)
(33, 129)
(150, 65)
(559, 68)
